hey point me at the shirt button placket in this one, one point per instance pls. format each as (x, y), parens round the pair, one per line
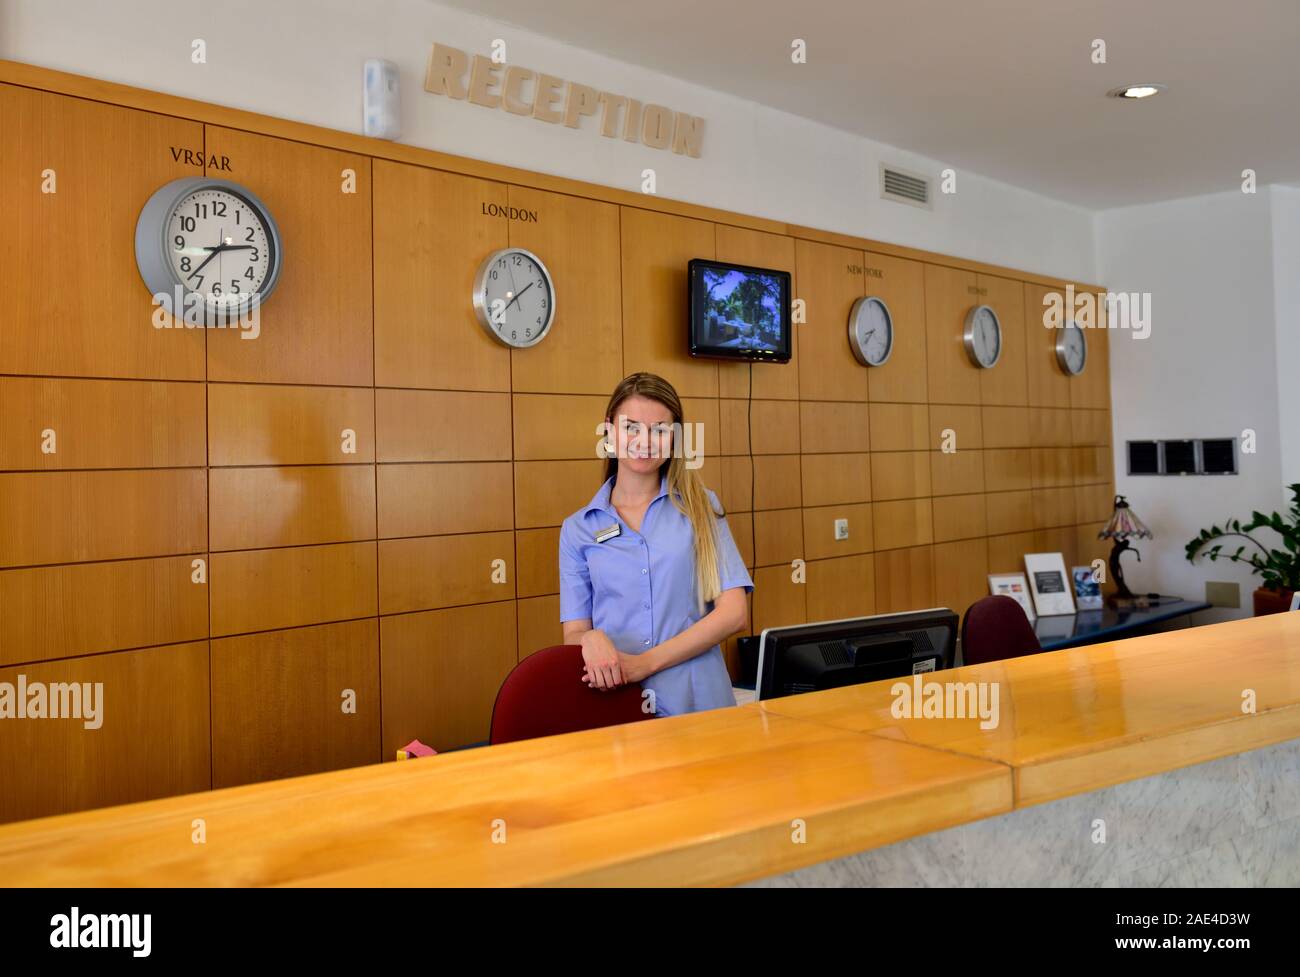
(645, 572)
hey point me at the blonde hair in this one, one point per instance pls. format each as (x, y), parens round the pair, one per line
(685, 487)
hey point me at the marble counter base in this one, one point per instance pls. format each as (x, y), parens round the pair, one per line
(1229, 822)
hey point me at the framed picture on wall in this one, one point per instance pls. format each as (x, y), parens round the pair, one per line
(1015, 586)
(1053, 593)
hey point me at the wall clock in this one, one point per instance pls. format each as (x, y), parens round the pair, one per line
(212, 238)
(983, 336)
(871, 331)
(1071, 349)
(514, 297)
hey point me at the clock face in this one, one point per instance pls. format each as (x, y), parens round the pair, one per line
(1072, 349)
(210, 239)
(514, 297)
(871, 331)
(983, 336)
(220, 246)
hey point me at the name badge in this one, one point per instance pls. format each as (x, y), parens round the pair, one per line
(609, 533)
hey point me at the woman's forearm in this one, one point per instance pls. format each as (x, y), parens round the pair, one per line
(726, 618)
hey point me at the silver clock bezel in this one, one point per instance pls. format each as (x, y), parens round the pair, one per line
(152, 249)
(859, 353)
(480, 297)
(1062, 359)
(968, 336)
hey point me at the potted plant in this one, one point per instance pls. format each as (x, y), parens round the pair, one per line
(1279, 568)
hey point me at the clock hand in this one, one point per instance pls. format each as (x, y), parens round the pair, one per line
(519, 293)
(215, 251)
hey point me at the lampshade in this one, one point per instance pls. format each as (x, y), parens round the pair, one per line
(1124, 523)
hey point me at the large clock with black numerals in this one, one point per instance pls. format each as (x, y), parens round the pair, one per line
(514, 297)
(211, 238)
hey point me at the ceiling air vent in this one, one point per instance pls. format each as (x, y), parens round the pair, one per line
(904, 187)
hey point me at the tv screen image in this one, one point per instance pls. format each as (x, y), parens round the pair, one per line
(738, 311)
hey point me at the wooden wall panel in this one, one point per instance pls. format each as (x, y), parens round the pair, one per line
(316, 327)
(949, 295)
(900, 427)
(73, 517)
(441, 571)
(278, 702)
(826, 427)
(901, 283)
(100, 424)
(153, 740)
(961, 571)
(907, 522)
(655, 249)
(429, 499)
(75, 317)
(836, 479)
(778, 536)
(443, 425)
(1048, 386)
(432, 231)
(548, 492)
(557, 426)
(539, 624)
(904, 580)
(843, 587)
(253, 508)
(263, 424)
(819, 531)
(959, 517)
(579, 242)
(778, 600)
(86, 608)
(441, 671)
(775, 424)
(1007, 382)
(537, 553)
(259, 590)
(830, 280)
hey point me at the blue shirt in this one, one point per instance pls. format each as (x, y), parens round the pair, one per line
(639, 588)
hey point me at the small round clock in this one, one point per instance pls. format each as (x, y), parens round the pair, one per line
(208, 237)
(871, 331)
(514, 297)
(1071, 349)
(983, 336)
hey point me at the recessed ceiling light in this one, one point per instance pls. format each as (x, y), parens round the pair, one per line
(1136, 91)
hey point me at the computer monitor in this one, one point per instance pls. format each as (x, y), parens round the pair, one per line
(853, 650)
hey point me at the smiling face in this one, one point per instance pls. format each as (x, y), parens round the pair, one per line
(643, 434)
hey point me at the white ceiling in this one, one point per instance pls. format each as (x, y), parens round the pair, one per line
(1004, 88)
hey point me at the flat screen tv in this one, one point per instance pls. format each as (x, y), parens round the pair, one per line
(739, 312)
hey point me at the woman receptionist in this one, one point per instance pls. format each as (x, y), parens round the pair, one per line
(650, 577)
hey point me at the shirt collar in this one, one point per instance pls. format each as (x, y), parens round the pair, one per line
(600, 501)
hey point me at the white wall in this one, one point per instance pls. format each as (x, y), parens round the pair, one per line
(302, 60)
(1286, 301)
(1210, 368)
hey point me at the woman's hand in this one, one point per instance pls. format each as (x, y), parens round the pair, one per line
(603, 660)
(636, 668)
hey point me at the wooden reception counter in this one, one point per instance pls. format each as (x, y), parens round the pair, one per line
(720, 797)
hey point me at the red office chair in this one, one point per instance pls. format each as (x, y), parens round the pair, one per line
(996, 628)
(544, 694)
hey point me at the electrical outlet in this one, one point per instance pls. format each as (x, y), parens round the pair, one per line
(1222, 593)
(841, 529)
